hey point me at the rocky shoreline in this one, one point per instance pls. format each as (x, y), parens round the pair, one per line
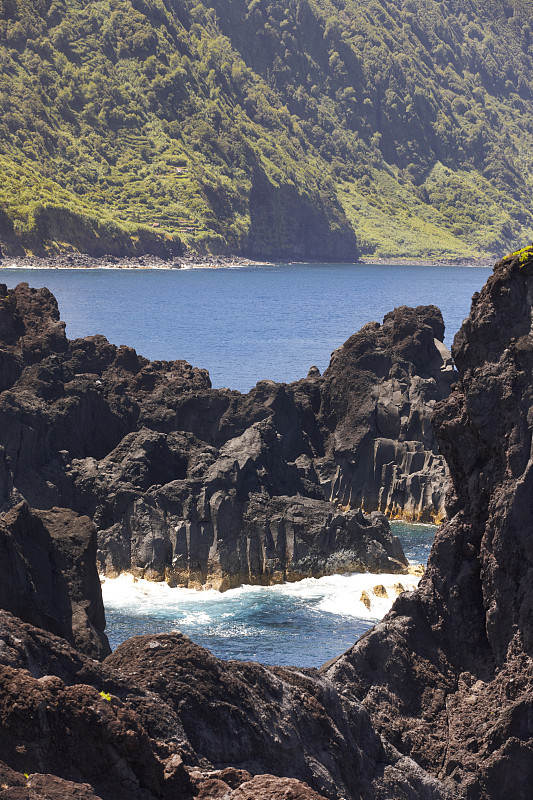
(191, 260)
(434, 703)
(474, 261)
(211, 488)
(462, 708)
(85, 261)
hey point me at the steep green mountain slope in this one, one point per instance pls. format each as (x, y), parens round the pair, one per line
(273, 128)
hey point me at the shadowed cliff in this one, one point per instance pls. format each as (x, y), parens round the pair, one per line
(448, 675)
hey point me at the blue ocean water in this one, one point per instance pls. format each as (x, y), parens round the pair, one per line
(301, 624)
(248, 323)
(416, 540)
(245, 324)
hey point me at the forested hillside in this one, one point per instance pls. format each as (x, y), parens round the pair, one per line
(271, 128)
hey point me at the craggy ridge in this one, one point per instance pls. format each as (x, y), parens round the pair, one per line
(434, 703)
(462, 707)
(211, 487)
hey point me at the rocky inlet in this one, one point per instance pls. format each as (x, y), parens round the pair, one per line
(434, 703)
(205, 487)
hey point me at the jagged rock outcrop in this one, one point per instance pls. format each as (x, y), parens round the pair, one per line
(434, 703)
(162, 718)
(49, 575)
(448, 675)
(16, 786)
(235, 523)
(378, 394)
(212, 487)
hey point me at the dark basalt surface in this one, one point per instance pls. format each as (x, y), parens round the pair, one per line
(378, 394)
(435, 703)
(448, 675)
(49, 575)
(162, 718)
(211, 487)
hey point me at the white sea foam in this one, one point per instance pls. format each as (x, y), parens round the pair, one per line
(335, 594)
(196, 618)
(136, 595)
(341, 594)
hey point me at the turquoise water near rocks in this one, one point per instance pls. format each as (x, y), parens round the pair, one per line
(416, 540)
(245, 324)
(248, 323)
(301, 624)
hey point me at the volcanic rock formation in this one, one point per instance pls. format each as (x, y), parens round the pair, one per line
(49, 575)
(378, 394)
(162, 718)
(212, 487)
(448, 675)
(435, 703)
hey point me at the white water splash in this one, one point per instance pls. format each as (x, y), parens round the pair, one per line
(335, 594)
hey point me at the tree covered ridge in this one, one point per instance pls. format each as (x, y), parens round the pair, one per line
(271, 127)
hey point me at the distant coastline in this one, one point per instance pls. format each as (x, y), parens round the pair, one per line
(195, 261)
(481, 261)
(84, 261)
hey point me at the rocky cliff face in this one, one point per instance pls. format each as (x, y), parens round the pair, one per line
(287, 224)
(49, 575)
(435, 703)
(379, 391)
(211, 487)
(447, 676)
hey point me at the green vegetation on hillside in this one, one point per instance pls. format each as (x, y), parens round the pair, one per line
(267, 127)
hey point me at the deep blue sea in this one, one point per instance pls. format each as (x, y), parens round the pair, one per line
(244, 324)
(248, 323)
